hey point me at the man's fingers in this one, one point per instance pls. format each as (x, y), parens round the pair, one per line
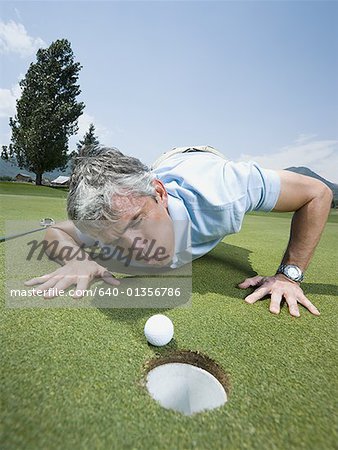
(293, 305)
(277, 289)
(110, 279)
(61, 285)
(39, 280)
(276, 298)
(253, 281)
(82, 285)
(48, 284)
(257, 295)
(306, 302)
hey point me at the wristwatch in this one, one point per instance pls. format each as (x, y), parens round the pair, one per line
(291, 271)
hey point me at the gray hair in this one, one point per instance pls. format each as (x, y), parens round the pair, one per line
(101, 174)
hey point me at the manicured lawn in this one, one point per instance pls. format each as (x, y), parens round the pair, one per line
(15, 188)
(72, 378)
(332, 218)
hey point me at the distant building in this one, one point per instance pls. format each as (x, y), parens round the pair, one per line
(60, 181)
(23, 177)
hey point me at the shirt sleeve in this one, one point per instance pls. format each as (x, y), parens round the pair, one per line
(262, 186)
(249, 187)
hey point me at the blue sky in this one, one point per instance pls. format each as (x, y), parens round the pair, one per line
(257, 80)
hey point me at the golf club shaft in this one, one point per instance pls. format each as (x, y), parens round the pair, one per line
(14, 236)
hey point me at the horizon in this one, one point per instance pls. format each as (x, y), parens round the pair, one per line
(61, 174)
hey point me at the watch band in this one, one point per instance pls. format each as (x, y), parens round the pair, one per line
(283, 268)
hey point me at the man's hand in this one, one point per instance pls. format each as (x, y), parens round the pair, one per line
(278, 287)
(80, 273)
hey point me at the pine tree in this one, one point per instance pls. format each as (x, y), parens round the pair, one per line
(47, 111)
(89, 140)
(85, 146)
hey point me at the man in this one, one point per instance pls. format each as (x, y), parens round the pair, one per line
(194, 184)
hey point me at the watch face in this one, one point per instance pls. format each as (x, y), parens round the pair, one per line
(292, 272)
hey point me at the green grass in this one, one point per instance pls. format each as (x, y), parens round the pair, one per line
(16, 188)
(72, 378)
(333, 217)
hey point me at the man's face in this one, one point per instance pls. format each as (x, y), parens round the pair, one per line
(145, 227)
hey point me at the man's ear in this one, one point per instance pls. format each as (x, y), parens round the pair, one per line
(161, 193)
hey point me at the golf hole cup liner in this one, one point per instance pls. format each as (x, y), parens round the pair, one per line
(187, 382)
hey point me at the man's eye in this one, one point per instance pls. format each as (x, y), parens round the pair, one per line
(135, 224)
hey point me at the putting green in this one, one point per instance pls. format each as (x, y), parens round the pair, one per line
(74, 378)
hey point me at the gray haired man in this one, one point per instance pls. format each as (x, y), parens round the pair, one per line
(196, 185)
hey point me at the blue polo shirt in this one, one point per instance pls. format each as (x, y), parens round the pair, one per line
(214, 194)
(208, 197)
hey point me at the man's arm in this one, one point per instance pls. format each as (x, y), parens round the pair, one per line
(78, 268)
(63, 233)
(311, 200)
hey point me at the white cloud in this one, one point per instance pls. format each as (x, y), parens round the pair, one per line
(321, 156)
(304, 137)
(7, 102)
(14, 39)
(103, 133)
(18, 14)
(100, 130)
(8, 99)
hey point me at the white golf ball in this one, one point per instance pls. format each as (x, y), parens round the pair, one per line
(159, 330)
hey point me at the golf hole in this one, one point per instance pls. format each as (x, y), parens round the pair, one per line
(187, 382)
